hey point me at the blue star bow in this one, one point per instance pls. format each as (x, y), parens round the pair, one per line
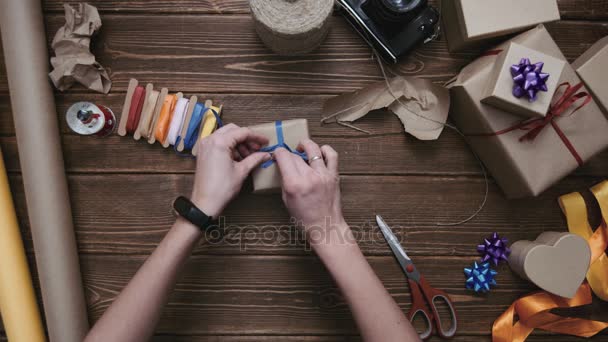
(480, 277)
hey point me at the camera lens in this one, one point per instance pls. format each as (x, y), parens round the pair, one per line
(392, 14)
(401, 6)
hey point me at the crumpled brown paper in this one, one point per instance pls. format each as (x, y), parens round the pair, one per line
(73, 61)
(422, 107)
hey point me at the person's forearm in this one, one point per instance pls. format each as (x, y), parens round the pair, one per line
(377, 315)
(135, 312)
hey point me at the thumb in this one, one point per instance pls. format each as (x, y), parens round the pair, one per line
(252, 161)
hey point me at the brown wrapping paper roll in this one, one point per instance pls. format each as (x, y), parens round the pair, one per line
(48, 203)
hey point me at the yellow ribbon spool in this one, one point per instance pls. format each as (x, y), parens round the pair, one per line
(209, 122)
(534, 310)
(574, 208)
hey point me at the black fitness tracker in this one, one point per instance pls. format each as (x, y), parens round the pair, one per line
(186, 209)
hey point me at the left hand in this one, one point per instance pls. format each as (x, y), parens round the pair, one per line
(224, 160)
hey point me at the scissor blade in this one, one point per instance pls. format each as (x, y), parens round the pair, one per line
(392, 240)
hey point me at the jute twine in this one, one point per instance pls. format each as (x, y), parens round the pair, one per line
(291, 27)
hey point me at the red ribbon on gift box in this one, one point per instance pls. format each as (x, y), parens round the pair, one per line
(536, 125)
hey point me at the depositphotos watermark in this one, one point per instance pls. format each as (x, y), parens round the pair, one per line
(295, 235)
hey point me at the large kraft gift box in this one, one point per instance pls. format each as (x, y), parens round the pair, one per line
(525, 168)
(468, 23)
(266, 178)
(592, 68)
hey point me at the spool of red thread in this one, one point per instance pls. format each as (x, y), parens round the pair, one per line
(86, 118)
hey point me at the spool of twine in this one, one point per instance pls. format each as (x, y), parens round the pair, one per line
(291, 27)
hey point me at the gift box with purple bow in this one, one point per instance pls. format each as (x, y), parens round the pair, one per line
(523, 81)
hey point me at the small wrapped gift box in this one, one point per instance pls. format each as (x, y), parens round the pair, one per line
(592, 67)
(526, 157)
(523, 81)
(287, 134)
(471, 22)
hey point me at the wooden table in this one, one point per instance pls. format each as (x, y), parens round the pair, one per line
(257, 286)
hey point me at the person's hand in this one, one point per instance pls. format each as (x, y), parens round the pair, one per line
(311, 192)
(224, 160)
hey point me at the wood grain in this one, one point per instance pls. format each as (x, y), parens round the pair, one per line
(295, 295)
(387, 151)
(540, 336)
(211, 54)
(110, 217)
(570, 9)
(261, 282)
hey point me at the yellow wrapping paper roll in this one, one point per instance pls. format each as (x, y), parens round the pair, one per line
(18, 305)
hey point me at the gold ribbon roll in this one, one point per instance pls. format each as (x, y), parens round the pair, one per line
(534, 311)
(575, 210)
(18, 305)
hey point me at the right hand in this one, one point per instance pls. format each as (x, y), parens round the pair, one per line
(311, 192)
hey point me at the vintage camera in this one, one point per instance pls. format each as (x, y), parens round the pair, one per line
(392, 27)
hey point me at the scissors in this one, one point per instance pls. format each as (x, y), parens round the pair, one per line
(423, 295)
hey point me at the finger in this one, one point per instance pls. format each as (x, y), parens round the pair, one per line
(313, 152)
(243, 134)
(243, 150)
(286, 164)
(226, 128)
(253, 146)
(235, 155)
(252, 161)
(331, 158)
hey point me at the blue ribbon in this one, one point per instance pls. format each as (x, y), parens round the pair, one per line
(192, 132)
(280, 143)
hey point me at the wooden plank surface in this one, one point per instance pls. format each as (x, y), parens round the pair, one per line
(202, 53)
(387, 151)
(261, 294)
(261, 283)
(569, 9)
(110, 216)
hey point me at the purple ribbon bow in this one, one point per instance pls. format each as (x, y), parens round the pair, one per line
(529, 79)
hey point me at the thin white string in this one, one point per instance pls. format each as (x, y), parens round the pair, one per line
(452, 127)
(177, 121)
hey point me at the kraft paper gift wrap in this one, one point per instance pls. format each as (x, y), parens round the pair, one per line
(471, 22)
(73, 61)
(592, 68)
(499, 91)
(268, 180)
(525, 168)
(422, 106)
(44, 181)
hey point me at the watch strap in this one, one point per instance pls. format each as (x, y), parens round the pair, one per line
(189, 211)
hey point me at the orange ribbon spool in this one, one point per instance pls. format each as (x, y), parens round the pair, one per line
(533, 310)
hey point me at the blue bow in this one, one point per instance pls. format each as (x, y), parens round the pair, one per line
(280, 143)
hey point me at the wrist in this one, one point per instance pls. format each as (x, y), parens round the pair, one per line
(187, 230)
(207, 206)
(338, 257)
(334, 238)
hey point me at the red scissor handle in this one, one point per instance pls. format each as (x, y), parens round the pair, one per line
(419, 309)
(433, 296)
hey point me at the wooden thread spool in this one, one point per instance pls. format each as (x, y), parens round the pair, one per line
(292, 27)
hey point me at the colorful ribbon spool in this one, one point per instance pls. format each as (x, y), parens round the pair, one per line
(147, 114)
(177, 121)
(137, 104)
(164, 118)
